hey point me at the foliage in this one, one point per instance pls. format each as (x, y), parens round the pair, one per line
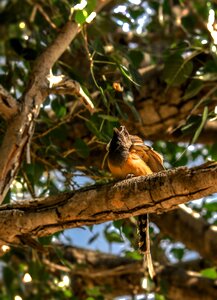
(107, 58)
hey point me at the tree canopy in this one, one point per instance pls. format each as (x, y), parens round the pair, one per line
(70, 72)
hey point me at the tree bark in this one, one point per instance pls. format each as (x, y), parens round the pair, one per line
(123, 276)
(21, 126)
(189, 228)
(156, 193)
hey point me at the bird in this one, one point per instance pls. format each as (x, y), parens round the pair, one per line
(128, 156)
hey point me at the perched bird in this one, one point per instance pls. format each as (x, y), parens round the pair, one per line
(129, 156)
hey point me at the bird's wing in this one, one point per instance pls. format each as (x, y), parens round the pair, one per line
(152, 158)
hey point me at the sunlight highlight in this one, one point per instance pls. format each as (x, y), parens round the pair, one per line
(27, 278)
(5, 248)
(211, 26)
(81, 5)
(22, 25)
(65, 281)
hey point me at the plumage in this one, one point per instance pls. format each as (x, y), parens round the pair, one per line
(128, 155)
(142, 161)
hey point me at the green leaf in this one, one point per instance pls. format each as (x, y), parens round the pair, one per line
(159, 297)
(125, 72)
(136, 11)
(123, 18)
(178, 253)
(128, 100)
(134, 255)
(108, 118)
(93, 238)
(136, 57)
(93, 128)
(113, 237)
(94, 292)
(82, 148)
(209, 273)
(200, 128)
(213, 151)
(8, 276)
(81, 16)
(91, 5)
(177, 70)
(58, 108)
(211, 206)
(193, 89)
(118, 224)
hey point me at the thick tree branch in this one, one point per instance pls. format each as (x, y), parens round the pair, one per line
(188, 285)
(92, 205)
(191, 230)
(117, 276)
(102, 269)
(105, 269)
(21, 127)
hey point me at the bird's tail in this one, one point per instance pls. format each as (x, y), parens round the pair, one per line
(144, 243)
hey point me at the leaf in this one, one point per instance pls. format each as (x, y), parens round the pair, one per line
(8, 276)
(134, 255)
(200, 128)
(113, 237)
(91, 5)
(128, 100)
(108, 118)
(82, 148)
(193, 89)
(177, 70)
(209, 273)
(178, 253)
(136, 57)
(123, 18)
(125, 72)
(118, 224)
(211, 207)
(93, 238)
(81, 16)
(58, 108)
(94, 291)
(159, 297)
(93, 128)
(213, 151)
(136, 11)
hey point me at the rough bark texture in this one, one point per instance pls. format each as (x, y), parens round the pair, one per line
(151, 194)
(190, 229)
(161, 115)
(118, 276)
(8, 105)
(21, 126)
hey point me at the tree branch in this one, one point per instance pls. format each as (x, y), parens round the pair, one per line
(8, 105)
(191, 230)
(61, 85)
(156, 193)
(118, 276)
(105, 269)
(21, 127)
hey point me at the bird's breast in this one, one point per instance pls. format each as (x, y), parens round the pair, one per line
(133, 164)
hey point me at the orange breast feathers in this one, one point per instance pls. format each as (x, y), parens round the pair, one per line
(127, 154)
